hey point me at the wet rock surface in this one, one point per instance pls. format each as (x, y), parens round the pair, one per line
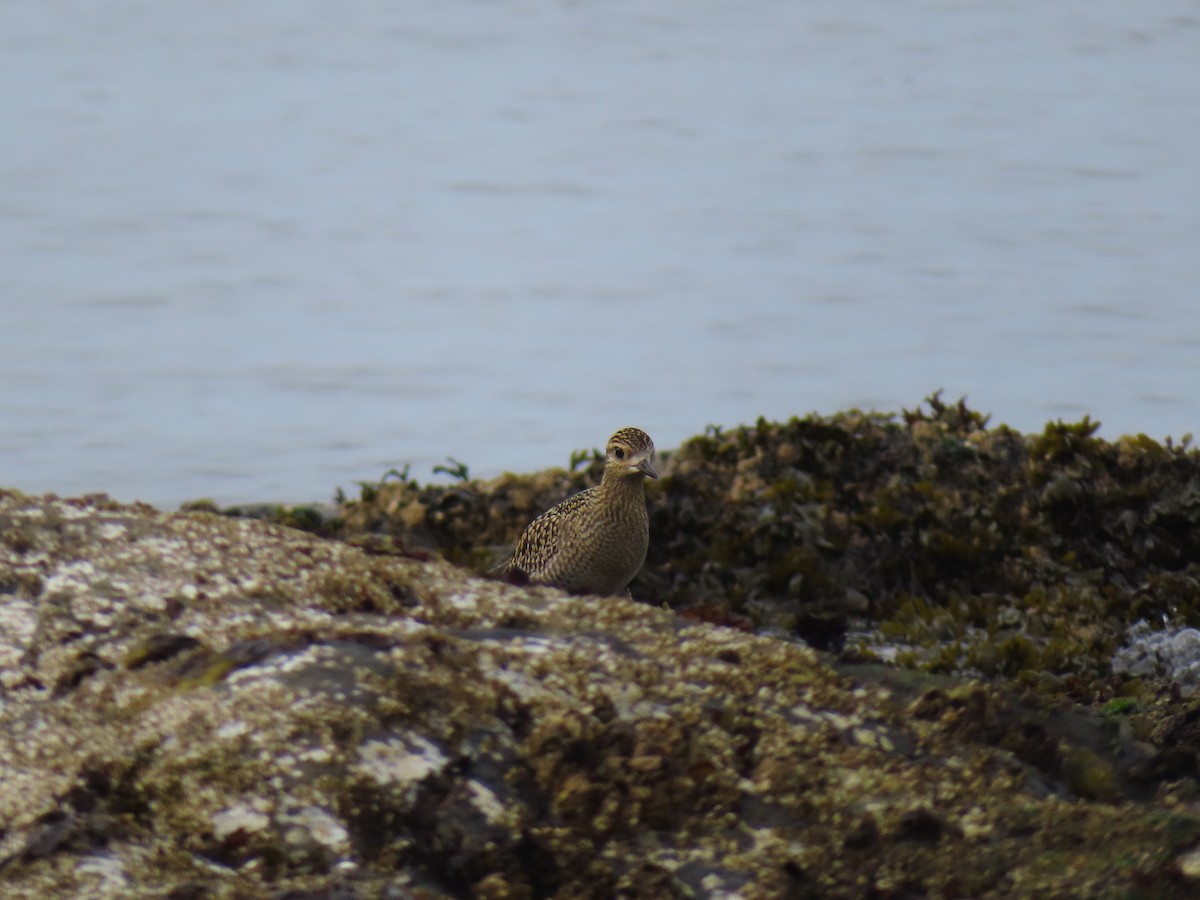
(196, 705)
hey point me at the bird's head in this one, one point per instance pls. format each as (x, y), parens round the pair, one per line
(630, 453)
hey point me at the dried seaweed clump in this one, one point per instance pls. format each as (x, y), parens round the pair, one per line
(930, 538)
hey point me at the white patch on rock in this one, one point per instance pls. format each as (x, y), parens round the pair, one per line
(462, 600)
(239, 817)
(110, 870)
(535, 646)
(150, 602)
(71, 578)
(234, 728)
(110, 531)
(312, 824)
(399, 761)
(716, 889)
(487, 802)
(1189, 864)
(525, 687)
(975, 824)
(1171, 653)
(18, 624)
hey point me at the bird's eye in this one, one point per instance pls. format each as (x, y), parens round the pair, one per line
(619, 453)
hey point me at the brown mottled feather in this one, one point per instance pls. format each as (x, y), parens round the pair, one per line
(594, 542)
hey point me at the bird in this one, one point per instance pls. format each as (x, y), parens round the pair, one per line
(594, 542)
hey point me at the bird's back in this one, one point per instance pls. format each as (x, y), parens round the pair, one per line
(589, 543)
(545, 538)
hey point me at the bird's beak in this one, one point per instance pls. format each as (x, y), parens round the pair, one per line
(646, 467)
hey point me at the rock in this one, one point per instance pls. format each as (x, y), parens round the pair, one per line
(200, 706)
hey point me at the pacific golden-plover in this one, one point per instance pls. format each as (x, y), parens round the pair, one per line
(594, 542)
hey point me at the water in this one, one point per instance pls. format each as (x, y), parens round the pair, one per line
(256, 251)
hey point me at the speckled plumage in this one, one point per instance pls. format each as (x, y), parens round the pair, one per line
(594, 542)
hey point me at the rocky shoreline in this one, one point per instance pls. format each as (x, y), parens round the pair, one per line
(869, 656)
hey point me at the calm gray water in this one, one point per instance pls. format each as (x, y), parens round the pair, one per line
(254, 251)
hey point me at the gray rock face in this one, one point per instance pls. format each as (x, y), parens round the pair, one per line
(197, 706)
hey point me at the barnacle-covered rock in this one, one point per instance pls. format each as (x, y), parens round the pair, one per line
(201, 706)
